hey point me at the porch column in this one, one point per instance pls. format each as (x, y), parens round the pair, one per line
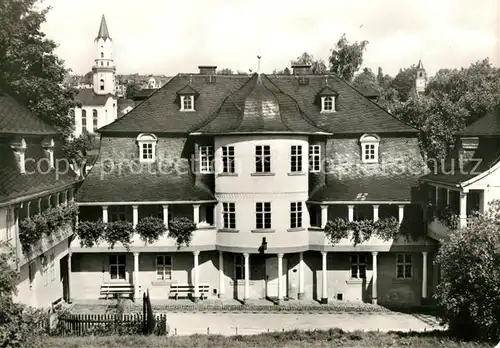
(463, 209)
(374, 277)
(165, 215)
(300, 295)
(39, 207)
(69, 277)
(58, 200)
(324, 292)
(280, 277)
(447, 197)
(375, 213)
(221, 273)
(350, 212)
(137, 286)
(135, 215)
(247, 278)
(49, 202)
(105, 213)
(437, 196)
(401, 213)
(324, 215)
(64, 197)
(71, 195)
(196, 277)
(424, 274)
(196, 214)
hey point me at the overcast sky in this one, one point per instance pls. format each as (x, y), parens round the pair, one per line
(167, 36)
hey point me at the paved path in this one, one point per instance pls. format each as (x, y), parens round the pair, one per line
(248, 323)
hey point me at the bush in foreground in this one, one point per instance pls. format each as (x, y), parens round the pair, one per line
(317, 338)
(469, 292)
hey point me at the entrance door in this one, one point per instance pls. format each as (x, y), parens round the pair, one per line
(272, 277)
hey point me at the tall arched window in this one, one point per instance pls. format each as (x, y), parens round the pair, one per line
(101, 86)
(84, 121)
(102, 55)
(94, 119)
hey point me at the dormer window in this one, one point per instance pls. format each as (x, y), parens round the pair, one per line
(328, 104)
(147, 147)
(48, 146)
(370, 148)
(19, 147)
(328, 99)
(187, 103)
(187, 96)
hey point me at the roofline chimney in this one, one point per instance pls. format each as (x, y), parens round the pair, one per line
(207, 69)
(301, 69)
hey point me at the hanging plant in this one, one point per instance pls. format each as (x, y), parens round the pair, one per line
(448, 217)
(119, 231)
(90, 232)
(70, 212)
(150, 229)
(181, 228)
(336, 229)
(29, 235)
(387, 228)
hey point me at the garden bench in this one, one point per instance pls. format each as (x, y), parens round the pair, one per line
(186, 290)
(117, 289)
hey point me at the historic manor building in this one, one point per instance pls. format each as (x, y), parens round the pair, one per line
(260, 163)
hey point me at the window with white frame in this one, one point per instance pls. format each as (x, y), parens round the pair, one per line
(296, 158)
(369, 148)
(327, 104)
(206, 159)
(52, 267)
(147, 147)
(117, 265)
(263, 159)
(163, 267)
(187, 103)
(228, 159)
(239, 267)
(358, 266)
(31, 271)
(263, 215)
(229, 215)
(314, 158)
(295, 214)
(404, 268)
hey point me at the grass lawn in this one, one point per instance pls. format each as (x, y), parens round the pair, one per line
(331, 338)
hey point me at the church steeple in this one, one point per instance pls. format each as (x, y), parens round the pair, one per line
(103, 30)
(104, 65)
(421, 78)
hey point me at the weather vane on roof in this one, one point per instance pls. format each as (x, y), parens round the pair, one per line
(258, 63)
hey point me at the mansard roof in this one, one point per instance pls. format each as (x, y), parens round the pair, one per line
(220, 107)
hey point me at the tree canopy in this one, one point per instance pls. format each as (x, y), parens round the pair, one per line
(469, 292)
(347, 57)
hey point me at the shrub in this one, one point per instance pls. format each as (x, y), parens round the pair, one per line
(119, 231)
(89, 232)
(362, 230)
(182, 230)
(150, 229)
(468, 295)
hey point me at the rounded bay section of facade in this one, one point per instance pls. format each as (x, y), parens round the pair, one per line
(261, 183)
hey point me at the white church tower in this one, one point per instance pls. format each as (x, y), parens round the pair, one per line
(421, 79)
(104, 66)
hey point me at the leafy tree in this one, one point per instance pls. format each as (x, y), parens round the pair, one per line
(285, 71)
(318, 66)
(366, 80)
(225, 71)
(132, 88)
(19, 325)
(346, 58)
(468, 294)
(29, 69)
(404, 82)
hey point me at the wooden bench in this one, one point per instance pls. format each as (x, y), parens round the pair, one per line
(117, 289)
(186, 290)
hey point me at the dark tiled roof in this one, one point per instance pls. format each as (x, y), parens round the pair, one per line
(487, 125)
(123, 185)
(368, 188)
(143, 93)
(13, 184)
(87, 97)
(123, 103)
(354, 112)
(160, 112)
(15, 118)
(485, 157)
(259, 106)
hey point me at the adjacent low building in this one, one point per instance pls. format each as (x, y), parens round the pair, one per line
(36, 214)
(279, 174)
